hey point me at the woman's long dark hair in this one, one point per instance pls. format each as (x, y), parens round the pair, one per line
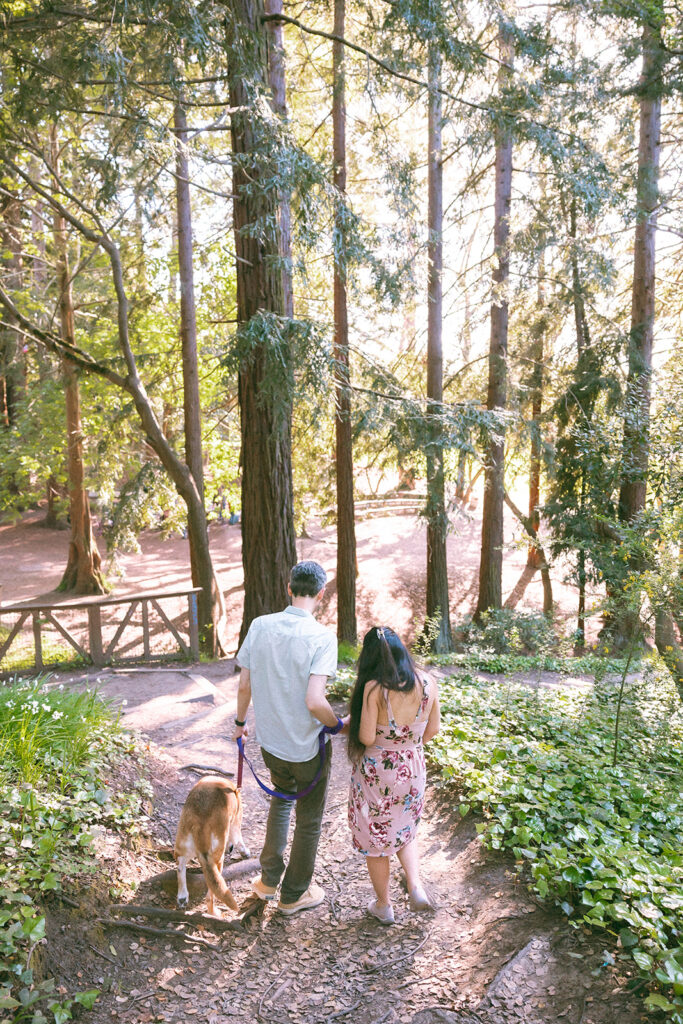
(384, 658)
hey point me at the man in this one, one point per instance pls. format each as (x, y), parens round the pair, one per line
(285, 662)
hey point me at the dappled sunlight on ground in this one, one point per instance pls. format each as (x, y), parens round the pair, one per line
(391, 562)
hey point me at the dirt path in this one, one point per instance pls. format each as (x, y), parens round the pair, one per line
(489, 955)
(391, 559)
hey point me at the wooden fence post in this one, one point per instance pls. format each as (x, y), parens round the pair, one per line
(37, 640)
(193, 625)
(95, 634)
(145, 628)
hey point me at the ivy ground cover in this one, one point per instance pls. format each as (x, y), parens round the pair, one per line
(604, 840)
(57, 749)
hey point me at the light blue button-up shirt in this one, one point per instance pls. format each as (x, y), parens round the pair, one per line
(281, 651)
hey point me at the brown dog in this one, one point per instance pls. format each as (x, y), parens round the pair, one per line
(211, 820)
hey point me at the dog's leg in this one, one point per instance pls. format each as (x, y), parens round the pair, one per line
(183, 894)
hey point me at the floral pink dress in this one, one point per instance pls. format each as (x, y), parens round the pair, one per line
(388, 785)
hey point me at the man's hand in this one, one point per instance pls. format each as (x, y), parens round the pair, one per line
(243, 702)
(344, 731)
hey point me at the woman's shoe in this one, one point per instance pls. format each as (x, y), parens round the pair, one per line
(419, 900)
(385, 915)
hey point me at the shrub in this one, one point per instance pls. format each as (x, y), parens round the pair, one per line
(504, 631)
(604, 841)
(56, 748)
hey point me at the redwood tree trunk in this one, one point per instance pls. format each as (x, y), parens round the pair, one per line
(211, 606)
(491, 561)
(12, 367)
(636, 444)
(82, 574)
(346, 526)
(268, 539)
(278, 91)
(438, 603)
(537, 354)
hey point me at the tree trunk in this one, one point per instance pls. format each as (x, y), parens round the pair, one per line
(211, 604)
(83, 568)
(438, 603)
(12, 363)
(346, 526)
(543, 563)
(268, 538)
(582, 333)
(636, 444)
(537, 354)
(491, 561)
(277, 83)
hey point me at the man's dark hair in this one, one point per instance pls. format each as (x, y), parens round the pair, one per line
(307, 579)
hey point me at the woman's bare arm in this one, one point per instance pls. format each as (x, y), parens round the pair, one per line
(434, 719)
(367, 732)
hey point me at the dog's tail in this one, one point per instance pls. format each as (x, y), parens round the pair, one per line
(215, 881)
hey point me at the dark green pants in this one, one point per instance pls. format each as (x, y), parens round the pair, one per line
(290, 777)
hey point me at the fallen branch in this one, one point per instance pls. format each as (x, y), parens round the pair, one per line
(398, 960)
(165, 933)
(105, 956)
(259, 1012)
(168, 880)
(342, 1013)
(146, 910)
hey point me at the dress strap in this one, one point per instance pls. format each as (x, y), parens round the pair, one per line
(424, 682)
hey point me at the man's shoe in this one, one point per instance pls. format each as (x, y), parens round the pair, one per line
(263, 891)
(385, 915)
(313, 897)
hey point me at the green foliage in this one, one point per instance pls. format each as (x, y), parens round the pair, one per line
(342, 684)
(426, 636)
(505, 631)
(56, 751)
(604, 842)
(348, 653)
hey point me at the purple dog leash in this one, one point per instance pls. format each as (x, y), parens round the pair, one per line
(327, 730)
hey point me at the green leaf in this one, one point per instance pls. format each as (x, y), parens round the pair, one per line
(644, 960)
(87, 999)
(655, 1001)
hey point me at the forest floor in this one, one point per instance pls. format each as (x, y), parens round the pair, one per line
(490, 954)
(391, 560)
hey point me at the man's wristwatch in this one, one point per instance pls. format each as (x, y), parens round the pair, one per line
(239, 724)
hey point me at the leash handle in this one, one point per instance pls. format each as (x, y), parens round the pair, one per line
(327, 730)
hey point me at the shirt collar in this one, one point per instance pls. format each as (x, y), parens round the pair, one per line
(296, 611)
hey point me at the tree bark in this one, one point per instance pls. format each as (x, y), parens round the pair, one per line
(438, 602)
(212, 607)
(83, 568)
(491, 561)
(12, 363)
(268, 538)
(537, 355)
(346, 526)
(543, 563)
(636, 443)
(278, 91)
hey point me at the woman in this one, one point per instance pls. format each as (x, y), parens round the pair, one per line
(393, 712)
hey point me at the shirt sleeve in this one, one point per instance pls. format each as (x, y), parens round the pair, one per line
(325, 658)
(243, 655)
